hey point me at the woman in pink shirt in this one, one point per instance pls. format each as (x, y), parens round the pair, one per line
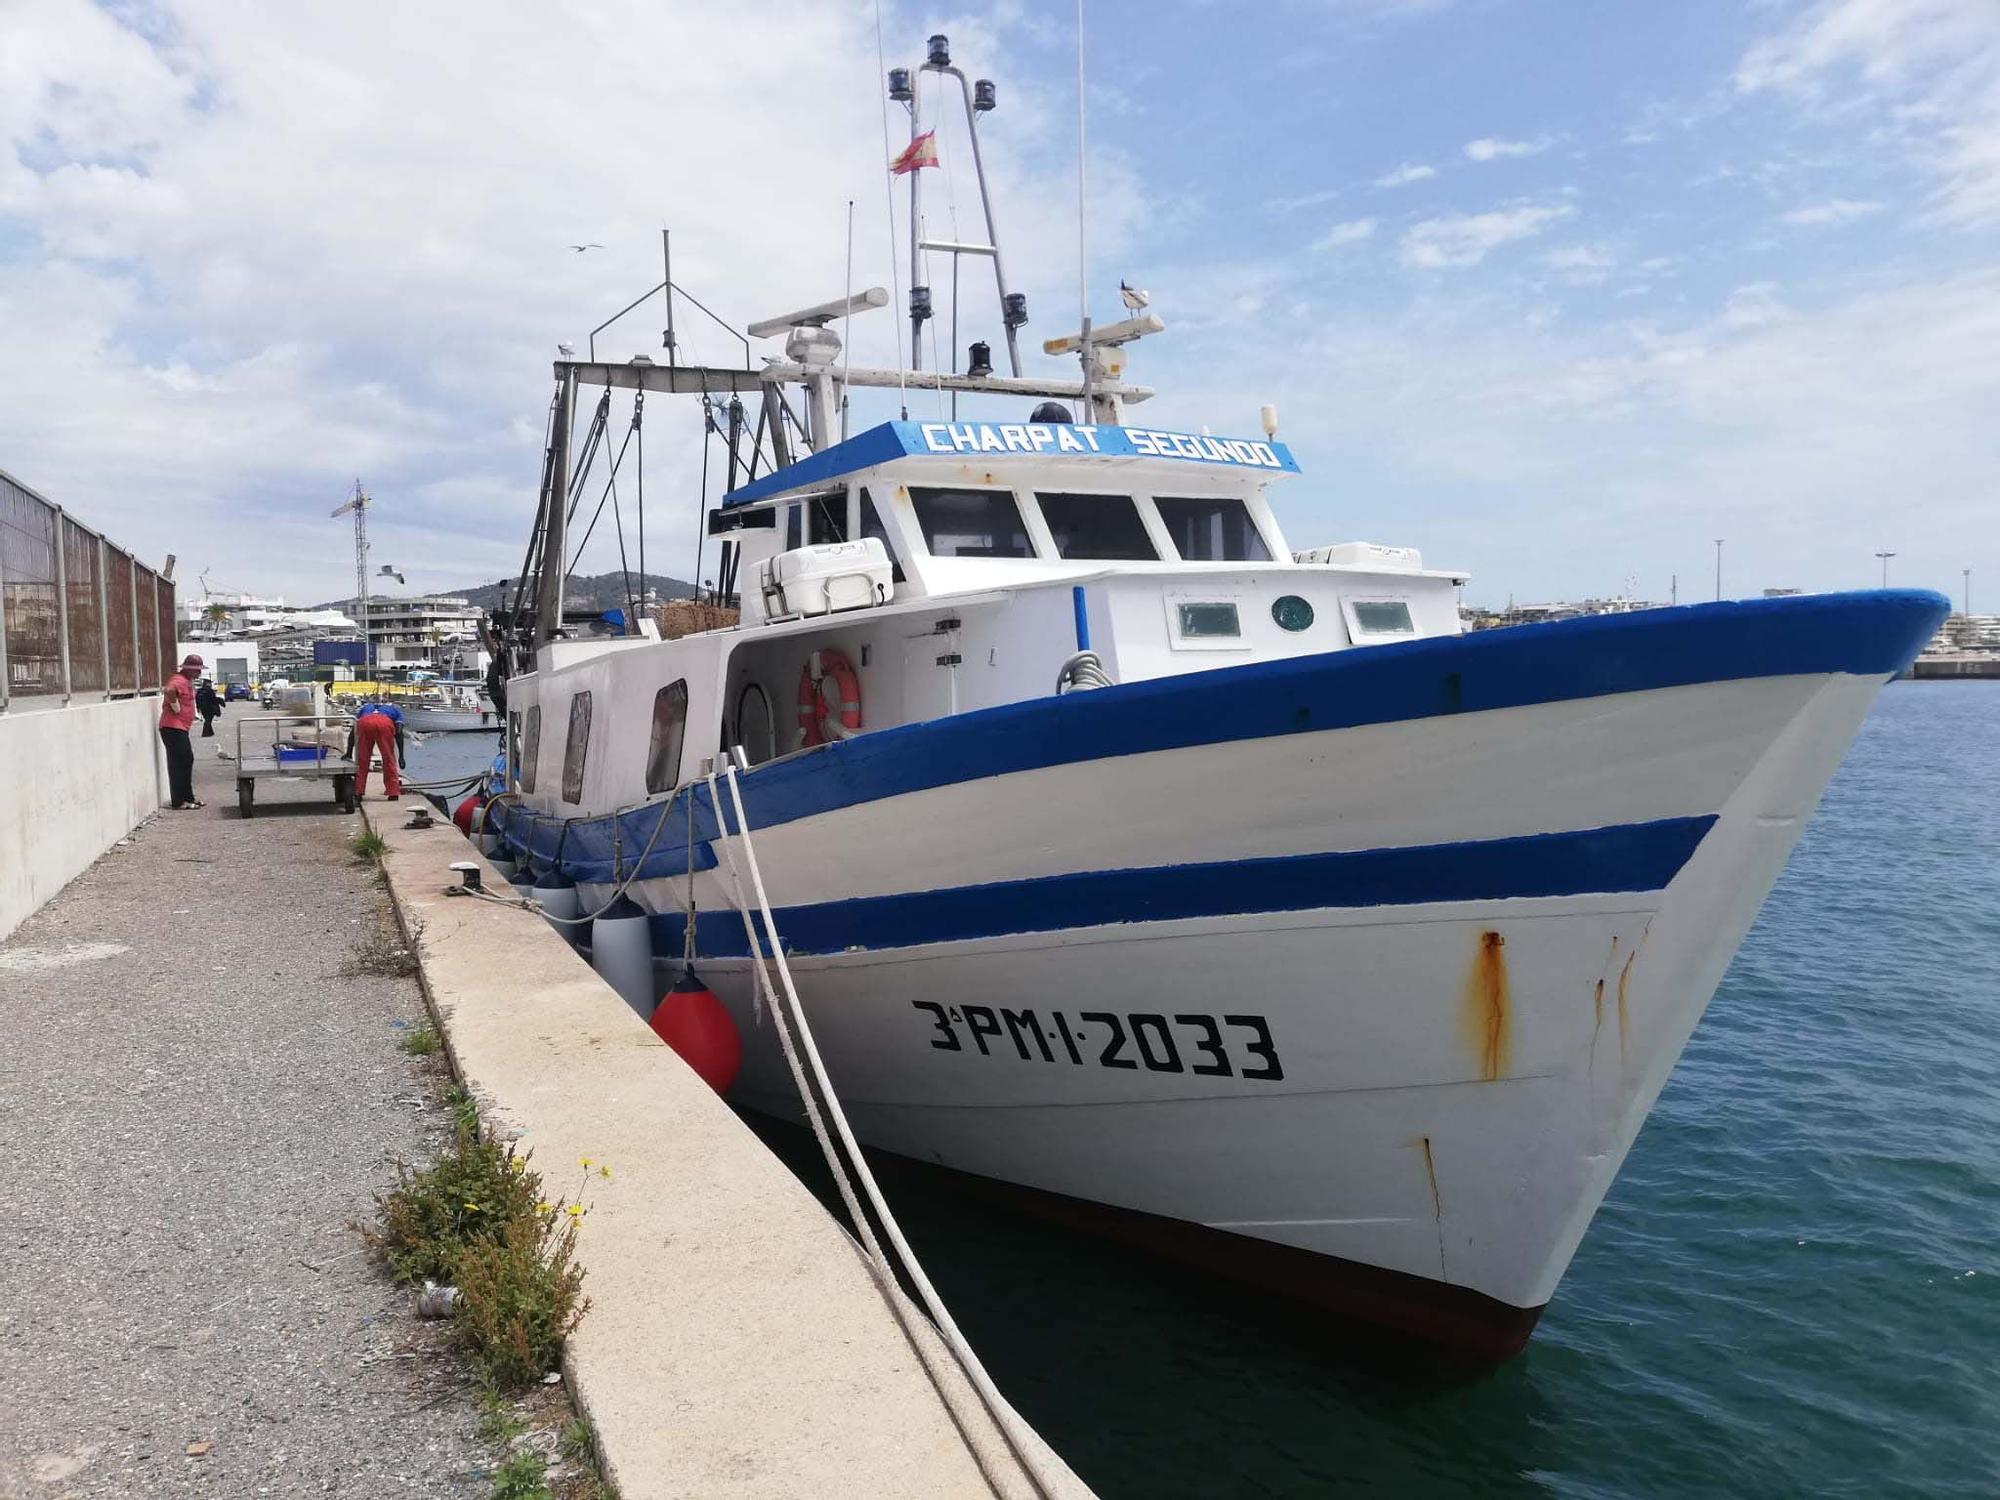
(176, 718)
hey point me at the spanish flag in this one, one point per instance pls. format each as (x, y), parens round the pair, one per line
(921, 152)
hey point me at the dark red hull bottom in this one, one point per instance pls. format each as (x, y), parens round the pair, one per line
(1466, 1323)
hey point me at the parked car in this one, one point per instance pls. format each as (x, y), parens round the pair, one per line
(235, 691)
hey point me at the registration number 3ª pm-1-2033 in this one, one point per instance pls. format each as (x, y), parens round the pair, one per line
(1228, 1046)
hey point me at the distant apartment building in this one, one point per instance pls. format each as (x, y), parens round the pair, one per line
(437, 633)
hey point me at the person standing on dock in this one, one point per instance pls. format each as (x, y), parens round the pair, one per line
(378, 726)
(176, 719)
(208, 706)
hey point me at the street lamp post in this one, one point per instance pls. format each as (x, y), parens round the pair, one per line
(1966, 575)
(1885, 556)
(1718, 568)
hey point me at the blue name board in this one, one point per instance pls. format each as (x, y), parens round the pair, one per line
(894, 440)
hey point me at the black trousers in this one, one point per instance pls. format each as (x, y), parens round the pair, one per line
(208, 726)
(180, 764)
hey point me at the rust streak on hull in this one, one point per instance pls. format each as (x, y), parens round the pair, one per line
(1624, 1016)
(1487, 1004)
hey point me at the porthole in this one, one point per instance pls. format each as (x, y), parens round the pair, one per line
(1291, 612)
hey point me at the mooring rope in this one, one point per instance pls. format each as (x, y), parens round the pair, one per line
(1020, 1440)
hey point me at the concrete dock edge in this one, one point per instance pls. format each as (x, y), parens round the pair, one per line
(737, 1342)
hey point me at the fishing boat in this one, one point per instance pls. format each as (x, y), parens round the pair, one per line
(447, 706)
(1217, 889)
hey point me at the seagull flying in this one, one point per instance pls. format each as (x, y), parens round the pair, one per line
(1134, 298)
(579, 249)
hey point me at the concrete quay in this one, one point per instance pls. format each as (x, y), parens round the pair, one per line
(194, 1104)
(737, 1343)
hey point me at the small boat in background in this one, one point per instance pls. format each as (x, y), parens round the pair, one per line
(449, 707)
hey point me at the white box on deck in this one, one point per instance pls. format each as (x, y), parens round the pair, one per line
(1364, 555)
(825, 579)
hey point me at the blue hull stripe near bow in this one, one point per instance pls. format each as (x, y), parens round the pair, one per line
(1631, 857)
(1868, 634)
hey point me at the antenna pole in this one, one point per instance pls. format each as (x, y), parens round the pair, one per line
(846, 344)
(1082, 244)
(667, 282)
(919, 293)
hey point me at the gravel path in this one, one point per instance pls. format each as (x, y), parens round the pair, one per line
(193, 1106)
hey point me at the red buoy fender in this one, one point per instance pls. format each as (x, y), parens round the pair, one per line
(465, 812)
(819, 719)
(695, 1024)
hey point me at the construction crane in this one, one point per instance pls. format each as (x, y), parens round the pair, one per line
(359, 505)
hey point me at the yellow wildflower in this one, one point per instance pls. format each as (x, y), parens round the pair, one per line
(545, 1207)
(575, 1210)
(605, 1173)
(586, 1164)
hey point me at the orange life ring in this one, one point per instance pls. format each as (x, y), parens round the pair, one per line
(819, 720)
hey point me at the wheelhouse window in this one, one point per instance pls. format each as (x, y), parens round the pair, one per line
(826, 517)
(663, 753)
(531, 748)
(971, 523)
(871, 525)
(1097, 528)
(1217, 529)
(1379, 617)
(577, 748)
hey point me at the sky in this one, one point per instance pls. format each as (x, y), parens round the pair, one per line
(1558, 292)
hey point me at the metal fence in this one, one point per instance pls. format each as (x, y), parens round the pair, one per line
(77, 614)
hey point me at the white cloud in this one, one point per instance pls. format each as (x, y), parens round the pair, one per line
(1928, 71)
(1304, 200)
(257, 253)
(1833, 211)
(1350, 233)
(1580, 258)
(1406, 174)
(1584, 265)
(1472, 426)
(1467, 239)
(1489, 149)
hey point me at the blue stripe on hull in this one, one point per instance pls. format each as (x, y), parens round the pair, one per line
(1630, 857)
(1867, 634)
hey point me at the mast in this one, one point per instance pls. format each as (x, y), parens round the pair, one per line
(554, 567)
(979, 98)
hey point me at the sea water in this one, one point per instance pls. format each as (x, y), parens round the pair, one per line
(1792, 1289)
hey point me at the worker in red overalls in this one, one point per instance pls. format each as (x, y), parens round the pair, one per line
(378, 726)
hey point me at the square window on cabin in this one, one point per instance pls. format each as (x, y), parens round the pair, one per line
(1212, 530)
(531, 748)
(971, 523)
(663, 753)
(871, 525)
(577, 748)
(1097, 528)
(1381, 617)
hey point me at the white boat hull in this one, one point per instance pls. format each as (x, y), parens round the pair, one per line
(1373, 1012)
